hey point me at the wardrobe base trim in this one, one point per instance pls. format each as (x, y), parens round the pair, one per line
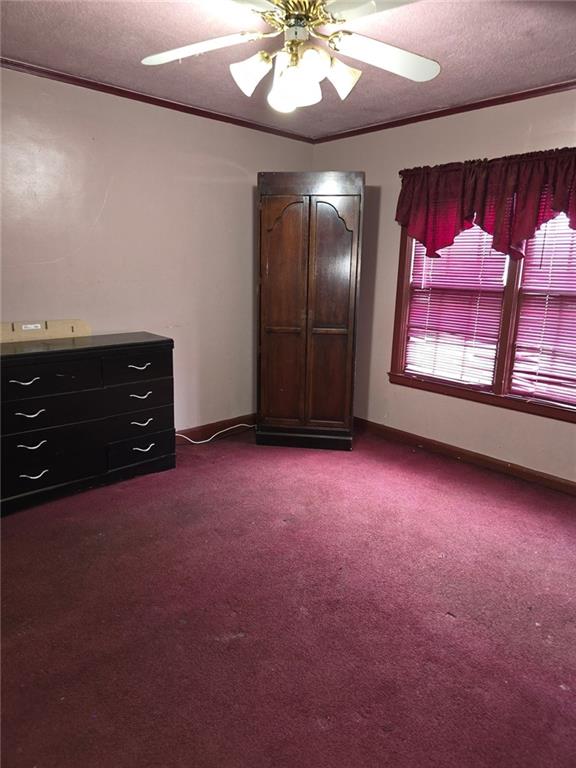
(340, 441)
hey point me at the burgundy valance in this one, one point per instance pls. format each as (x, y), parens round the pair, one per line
(509, 197)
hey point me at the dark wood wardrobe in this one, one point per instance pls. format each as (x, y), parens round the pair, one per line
(310, 240)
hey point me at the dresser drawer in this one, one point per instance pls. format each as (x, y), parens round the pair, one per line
(52, 411)
(55, 410)
(138, 396)
(31, 449)
(139, 423)
(28, 481)
(60, 459)
(140, 449)
(137, 366)
(50, 378)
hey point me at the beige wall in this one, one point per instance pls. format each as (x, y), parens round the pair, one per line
(531, 441)
(138, 218)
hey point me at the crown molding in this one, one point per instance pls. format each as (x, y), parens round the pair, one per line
(533, 93)
(126, 93)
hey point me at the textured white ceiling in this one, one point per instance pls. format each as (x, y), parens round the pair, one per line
(487, 49)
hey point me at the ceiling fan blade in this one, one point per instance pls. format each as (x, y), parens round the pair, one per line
(384, 56)
(202, 47)
(255, 5)
(346, 10)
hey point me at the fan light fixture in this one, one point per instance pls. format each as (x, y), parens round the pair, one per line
(292, 87)
(249, 72)
(299, 66)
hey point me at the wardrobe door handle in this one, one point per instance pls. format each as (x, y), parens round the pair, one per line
(24, 383)
(142, 424)
(144, 450)
(32, 447)
(142, 397)
(34, 477)
(140, 367)
(30, 415)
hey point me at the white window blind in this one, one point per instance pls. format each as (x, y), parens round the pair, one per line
(544, 364)
(455, 310)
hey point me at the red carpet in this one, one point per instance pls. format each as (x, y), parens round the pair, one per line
(285, 608)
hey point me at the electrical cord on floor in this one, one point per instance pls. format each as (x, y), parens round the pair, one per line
(199, 442)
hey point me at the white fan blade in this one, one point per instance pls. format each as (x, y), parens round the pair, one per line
(384, 56)
(202, 47)
(346, 10)
(256, 5)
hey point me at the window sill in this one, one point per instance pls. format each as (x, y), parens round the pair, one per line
(514, 402)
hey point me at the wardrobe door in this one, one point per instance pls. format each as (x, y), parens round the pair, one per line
(284, 224)
(332, 277)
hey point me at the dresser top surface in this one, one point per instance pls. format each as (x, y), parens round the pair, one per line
(17, 349)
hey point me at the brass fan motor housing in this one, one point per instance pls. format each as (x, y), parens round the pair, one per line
(307, 14)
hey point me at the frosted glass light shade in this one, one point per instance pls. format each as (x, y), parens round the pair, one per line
(292, 86)
(315, 62)
(280, 102)
(278, 98)
(343, 77)
(249, 72)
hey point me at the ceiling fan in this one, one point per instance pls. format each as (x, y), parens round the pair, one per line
(302, 64)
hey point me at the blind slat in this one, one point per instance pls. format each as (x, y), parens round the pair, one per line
(455, 310)
(455, 313)
(544, 363)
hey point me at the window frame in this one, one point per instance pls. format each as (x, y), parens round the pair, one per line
(499, 393)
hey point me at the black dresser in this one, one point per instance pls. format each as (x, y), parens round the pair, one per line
(84, 411)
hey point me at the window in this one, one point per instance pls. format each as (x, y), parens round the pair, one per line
(455, 309)
(544, 363)
(474, 323)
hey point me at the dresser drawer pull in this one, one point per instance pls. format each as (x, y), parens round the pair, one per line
(32, 447)
(24, 383)
(142, 397)
(144, 450)
(30, 415)
(140, 367)
(34, 477)
(142, 423)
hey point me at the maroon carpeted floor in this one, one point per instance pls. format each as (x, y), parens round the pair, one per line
(284, 608)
